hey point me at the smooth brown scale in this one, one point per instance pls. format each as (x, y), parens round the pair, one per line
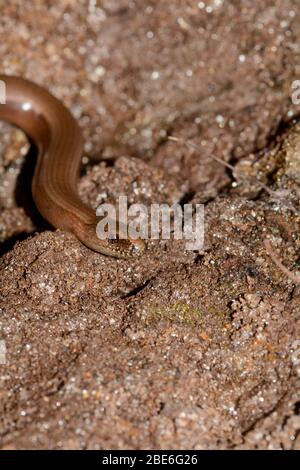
(58, 139)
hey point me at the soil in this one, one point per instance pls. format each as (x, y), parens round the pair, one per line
(177, 349)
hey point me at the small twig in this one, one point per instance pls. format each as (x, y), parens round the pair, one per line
(227, 165)
(294, 277)
(196, 147)
(212, 157)
(275, 258)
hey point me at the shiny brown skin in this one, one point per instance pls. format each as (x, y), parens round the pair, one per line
(58, 139)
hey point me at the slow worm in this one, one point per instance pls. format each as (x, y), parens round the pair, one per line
(57, 136)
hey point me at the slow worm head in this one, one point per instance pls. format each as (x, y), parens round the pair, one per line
(54, 187)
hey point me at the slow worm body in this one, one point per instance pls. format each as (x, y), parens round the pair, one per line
(54, 187)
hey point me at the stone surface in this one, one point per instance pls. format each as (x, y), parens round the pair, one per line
(176, 349)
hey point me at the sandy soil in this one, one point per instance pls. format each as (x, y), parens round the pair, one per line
(177, 349)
